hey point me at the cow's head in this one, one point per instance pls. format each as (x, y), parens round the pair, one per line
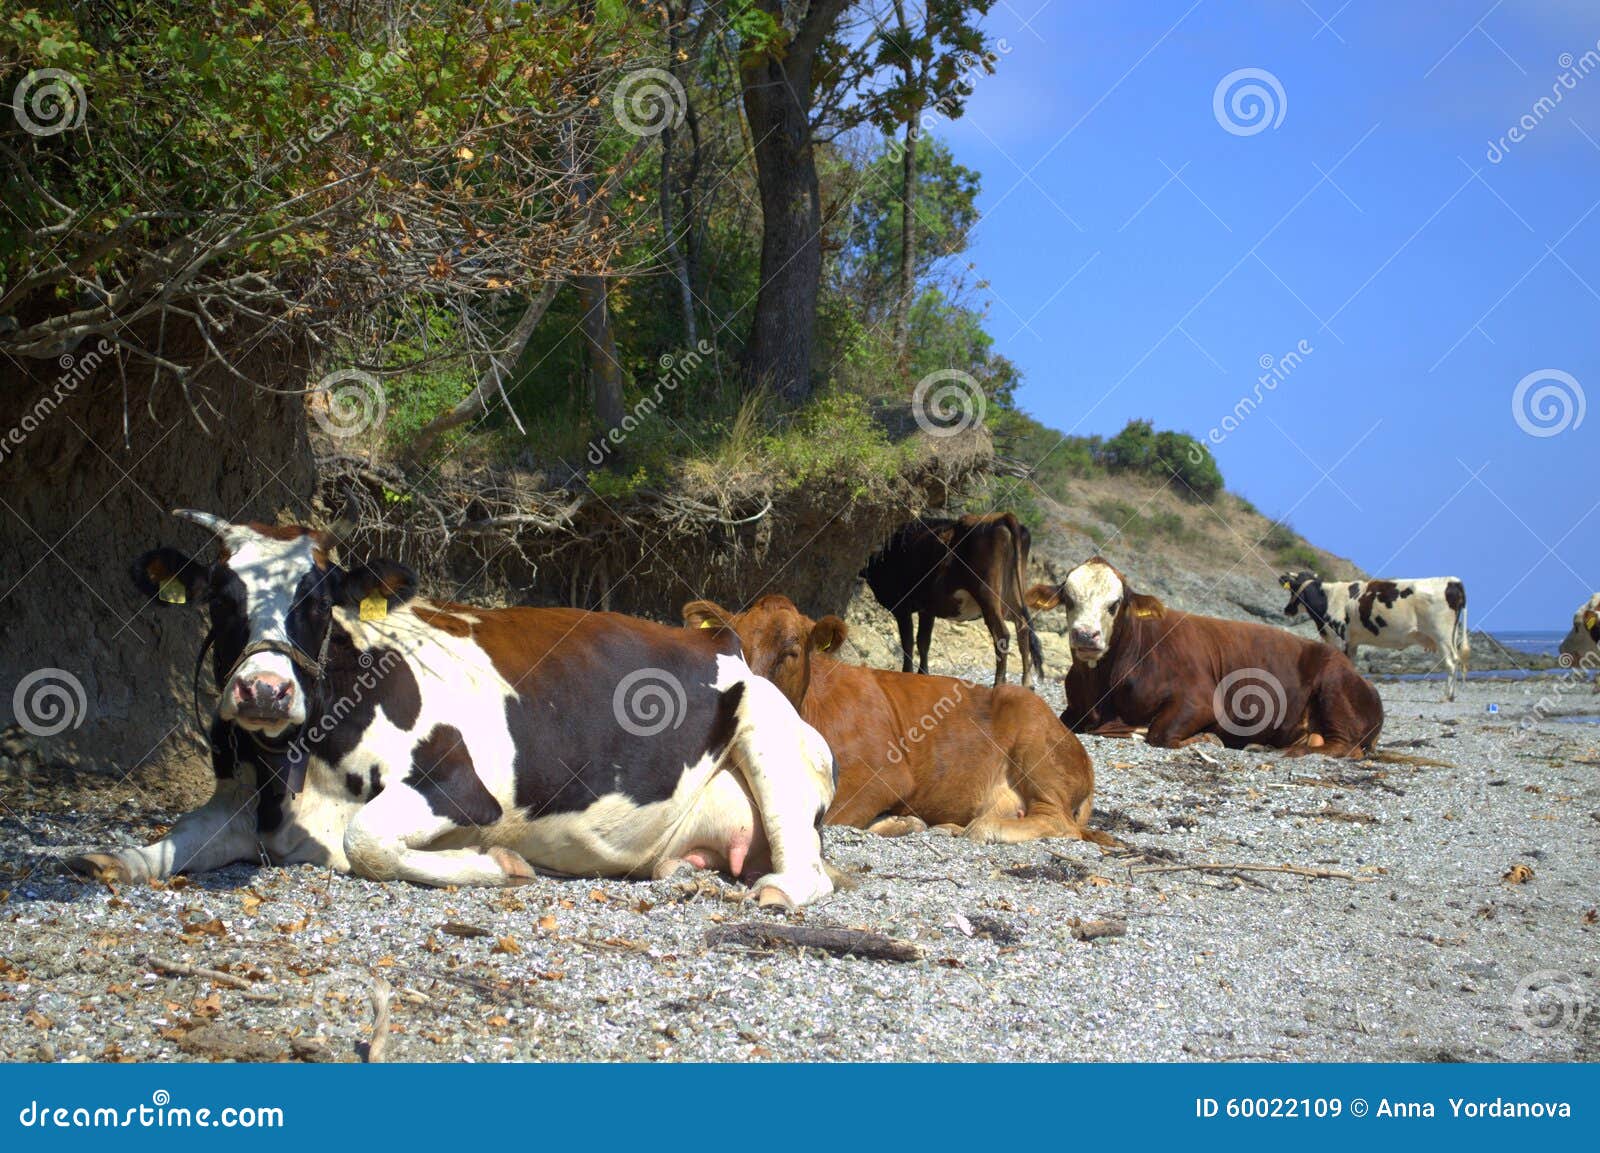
(1097, 598)
(272, 593)
(1584, 639)
(777, 638)
(1302, 587)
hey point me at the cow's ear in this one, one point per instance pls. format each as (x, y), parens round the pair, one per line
(376, 588)
(706, 615)
(1043, 597)
(828, 634)
(1143, 605)
(170, 576)
(1591, 621)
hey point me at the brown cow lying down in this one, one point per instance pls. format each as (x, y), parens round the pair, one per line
(913, 749)
(1136, 663)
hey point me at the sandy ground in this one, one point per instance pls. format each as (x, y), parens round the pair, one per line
(1417, 946)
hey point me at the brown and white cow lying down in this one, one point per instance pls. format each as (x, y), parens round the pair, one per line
(1136, 663)
(1582, 644)
(394, 737)
(934, 749)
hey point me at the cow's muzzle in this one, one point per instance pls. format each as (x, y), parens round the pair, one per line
(264, 699)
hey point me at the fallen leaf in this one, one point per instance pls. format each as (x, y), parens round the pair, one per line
(37, 1019)
(599, 895)
(457, 929)
(1518, 874)
(547, 922)
(506, 945)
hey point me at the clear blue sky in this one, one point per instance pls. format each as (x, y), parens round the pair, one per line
(1142, 261)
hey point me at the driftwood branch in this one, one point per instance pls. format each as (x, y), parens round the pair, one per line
(381, 994)
(1219, 867)
(180, 969)
(839, 942)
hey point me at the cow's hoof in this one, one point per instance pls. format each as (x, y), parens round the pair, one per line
(948, 830)
(671, 868)
(513, 865)
(101, 867)
(769, 897)
(898, 826)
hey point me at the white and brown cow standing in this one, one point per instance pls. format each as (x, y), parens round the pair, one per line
(1388, 614)
(1582, 645)
(365, 729)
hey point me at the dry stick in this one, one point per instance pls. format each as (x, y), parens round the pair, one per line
(179, 969)
(1297, 870)
(380, 1020)
(839, 942)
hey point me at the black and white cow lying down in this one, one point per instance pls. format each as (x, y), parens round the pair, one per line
(362, 728)
(1387, 614)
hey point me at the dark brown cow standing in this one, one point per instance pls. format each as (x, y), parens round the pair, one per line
(916, 750)
(960, 570)
(1137, 663)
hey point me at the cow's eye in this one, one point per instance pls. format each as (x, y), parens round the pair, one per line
(1115, 605)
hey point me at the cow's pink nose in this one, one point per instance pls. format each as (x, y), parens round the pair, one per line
(264, 694)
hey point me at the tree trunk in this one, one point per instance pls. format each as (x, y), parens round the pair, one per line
(605, 371)
(777, 104)
(908, 249)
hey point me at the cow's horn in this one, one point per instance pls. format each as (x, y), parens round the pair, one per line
(210, 520)
(349, 519)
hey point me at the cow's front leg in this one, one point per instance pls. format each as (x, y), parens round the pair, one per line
(386, 839)
(1176, 723)
(790, 771)
(218, 833)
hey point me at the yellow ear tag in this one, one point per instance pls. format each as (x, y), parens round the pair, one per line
(374, 607)
(172, 592)
(708, 623)
(1144, 612)
(1590, 620)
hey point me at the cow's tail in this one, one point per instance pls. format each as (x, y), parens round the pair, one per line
(1455, 596)
(1017, 594)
